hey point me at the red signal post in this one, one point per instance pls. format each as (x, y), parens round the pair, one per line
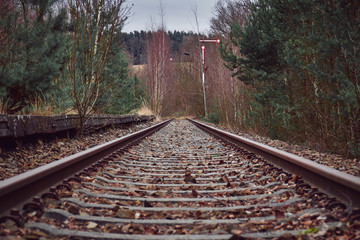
(203, 66)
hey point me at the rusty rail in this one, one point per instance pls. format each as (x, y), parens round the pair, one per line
(21, 188)
(344, 187)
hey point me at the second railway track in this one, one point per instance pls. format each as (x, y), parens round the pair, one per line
(182, 183)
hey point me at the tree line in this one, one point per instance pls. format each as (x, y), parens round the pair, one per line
(135, 43)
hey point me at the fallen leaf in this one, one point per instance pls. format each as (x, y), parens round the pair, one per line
(194, 193)
(73, 209)
(151, 187)
(125, 213)
(224, 179)
(279, 214)
(147, 204)
(287, 236)
(92, 225)
(189, 179)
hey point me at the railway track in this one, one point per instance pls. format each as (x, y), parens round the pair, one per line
(182, 183)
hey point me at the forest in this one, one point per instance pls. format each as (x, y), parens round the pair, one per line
(288, 70)
(299, 62)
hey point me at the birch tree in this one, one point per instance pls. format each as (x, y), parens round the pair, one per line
(159, 67)
(94, 26)
(158, 70)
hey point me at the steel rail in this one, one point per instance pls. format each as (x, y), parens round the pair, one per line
(19, 189)
(344, 187)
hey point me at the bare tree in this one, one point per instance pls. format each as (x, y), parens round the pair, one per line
(225, 91)
(95, 24)
(227, 12)
(158, 70)
(194, 9)
(189, 85)
(162, 14)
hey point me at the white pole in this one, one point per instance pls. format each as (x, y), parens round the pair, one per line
(203, 77)
(203, 66)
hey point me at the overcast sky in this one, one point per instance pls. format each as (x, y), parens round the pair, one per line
(178, 15)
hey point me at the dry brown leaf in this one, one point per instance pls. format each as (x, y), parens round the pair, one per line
(279, 214)
(125, 213)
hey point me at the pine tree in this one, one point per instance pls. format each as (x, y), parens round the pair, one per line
(123, 93)
(301, 58)
(33, 53)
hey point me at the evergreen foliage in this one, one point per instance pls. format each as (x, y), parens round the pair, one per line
(32, 53)
(74, 64)
(301, 59)
(135, 43)
(124, 93)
